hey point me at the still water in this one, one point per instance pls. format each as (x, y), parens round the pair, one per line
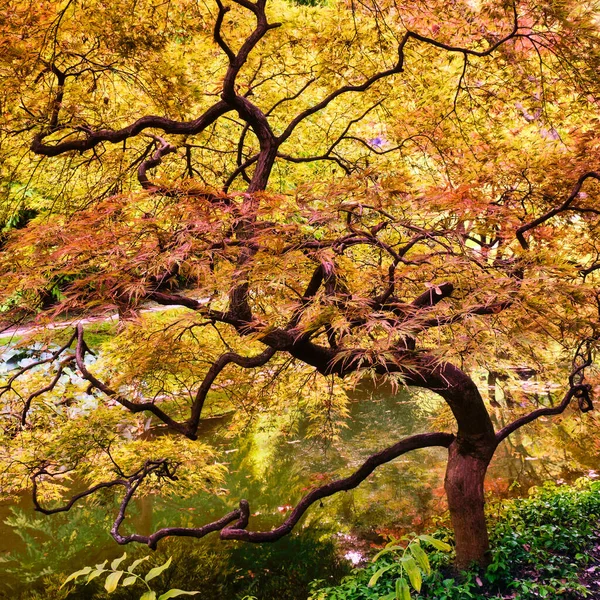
(37, 552)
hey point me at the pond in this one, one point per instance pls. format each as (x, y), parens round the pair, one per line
(37, 552)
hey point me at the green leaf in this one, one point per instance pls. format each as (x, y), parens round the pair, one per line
(402, 590)
(385, 551)
(112, 581)
(420, 557)
(437, 544)
(75, 575)
(375, 577)
(135, 563)
(174, 593)
(413, 572)
(152, 573)
(390, 596)
(94, 574)
(114, 565)
(129, 580)
(150, 595)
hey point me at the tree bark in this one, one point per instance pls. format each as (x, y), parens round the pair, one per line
(465, 474)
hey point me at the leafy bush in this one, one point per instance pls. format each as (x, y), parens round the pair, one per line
(119, 577)
(539, 545)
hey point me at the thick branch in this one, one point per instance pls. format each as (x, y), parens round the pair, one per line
(397, 68)
(425, 440)
(565, 206)
(240, 516)
(163, 148)
(93, 138)
(247, 362)
(579, 391)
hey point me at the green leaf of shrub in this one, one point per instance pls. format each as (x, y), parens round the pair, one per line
(413, 572)
(402, 590)
(129, 580)
(437, 544)
(420, 557)
(152, 573)
(385, 551)
(375, 577)
(135, 563)
(114, 565)
(94, 574)
(150, 595)
(75, 575)
(174, 593)
(112, 581)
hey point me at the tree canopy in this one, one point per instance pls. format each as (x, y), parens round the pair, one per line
(402, 191)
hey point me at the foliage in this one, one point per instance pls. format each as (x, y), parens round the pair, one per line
(539, 547)
(282, 571)
(118, 577)
(41, 556)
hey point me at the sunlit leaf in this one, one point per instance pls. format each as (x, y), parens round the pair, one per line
(174, 593)
(402, 589)
(135, 563)
(437, 544)
(75, 575)
(156, 571)
(421, 557)
(114, 565)
(112, 581)
(375, 577)
(413, 572)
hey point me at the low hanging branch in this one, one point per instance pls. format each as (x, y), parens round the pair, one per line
(188, 428)
(8, 386)
(567, 205)
(163, 470)
(578, 389)
(61, 367)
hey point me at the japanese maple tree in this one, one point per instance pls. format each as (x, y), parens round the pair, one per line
(398, 190)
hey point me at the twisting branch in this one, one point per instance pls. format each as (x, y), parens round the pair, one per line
(8, 385)
(565, 206)
(397, 68)
(93, 138)
(247, 362)
(63, 363)
(239, 517)
(43, 472)
(223, 10)
(425, 440)
(188, 428)
(578, 389)
(163, 148)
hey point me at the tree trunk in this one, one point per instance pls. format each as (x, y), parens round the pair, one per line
(465, 474)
